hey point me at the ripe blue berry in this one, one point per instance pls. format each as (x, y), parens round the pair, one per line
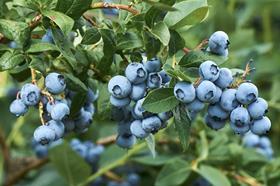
(206, 91)
(126, 141)
(136, 73)
(251, 140)
(265, 142)
(124, 127)
(209, 70)
(91, 96)
(119, 102)
(151, 124)
(59, 111)
(228, 100)
(55, 83)
(119, 86)
(164, 116)
(246, 93)
(258, 108)
(184, 92)
(44, 135)
(133, 179)
(261, 126)
(13, 45)
(214, 124)
(89, 107)
(154, 80)
(217, 96)
(138, 109)
(84, 119)
(48, 37)
(216, 112)
(81, 149)
(240, 120)
(57, 127)
(218, 43)
(94, 154)
(30, 94)
(41, 151)
(18, 108)
(153, 65)
(138, 91)
(164, 76)
(137, 130)
(225, 78)
(196, 105)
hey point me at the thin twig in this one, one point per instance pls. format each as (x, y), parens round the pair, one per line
(115, 6)
(112, 176)
(5, 150)
(107, 140)
(87, 17)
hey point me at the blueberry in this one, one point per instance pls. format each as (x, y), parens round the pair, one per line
(119, 102)
(137, 130)
(41, 151)
(217, 113)
(151, 124)
(113, 183)
(165, 77)
(44, 135)
(55, 83)
(258, 108)
(48, 37)
(246, 93)
(261, 126)
(81, 149)
(57, 127)
(119, 86)
(201, 182)
(138, 91)
(126, 141)
(214, 124)
(251, 140)
(265, 142)
(196, 105)
(218, 43)
(240, 120)
(13, 45)
(136, 73)
(94, 154)
(124, 128)
(153, 65)
(75, 142)
(206, 91)
(217, 96)
(91, 96)
(89, 107)
(30, 94)
(154, 80)
(228, 100)
(84, 119)
(18, 108)
(59, 111)
(225, 78)
(138, 109)
(184, 92)
(209, 70)
(165, 116)
(133, 179)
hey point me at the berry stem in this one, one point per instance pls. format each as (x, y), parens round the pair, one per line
(113, 176)
(41, 112)
(33, 76)
(115, 6)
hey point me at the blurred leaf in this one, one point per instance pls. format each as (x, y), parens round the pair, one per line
(173, 173)
(150, 140)
(91, 36)
(160, 5)
(182, 125)
(64, 22)
(75, 83)
(160, 100)
(161, 32)
(38, 64)
(111, 154)
(213, 175)
(42, 47)
(77, 103)
(160, 159)
(73, 8)
(69, 164)
(152, 44)
(188, 12)
(10, 59)
(176, 42)
(252, 156)
(128, 40)
(153, 16)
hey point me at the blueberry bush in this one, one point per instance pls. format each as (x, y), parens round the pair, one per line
(139, 92)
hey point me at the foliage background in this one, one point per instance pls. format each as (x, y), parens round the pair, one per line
(253, 27)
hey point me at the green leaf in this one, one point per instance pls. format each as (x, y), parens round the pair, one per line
(160, 100)
(129, 40)
(176, 73)
(176, 42)
(150, 140)
(161, 32)
(153, 16)
(188, 13)
(152, 44)
(213, 175)
(182, 125)
(73, 8)
(10, 59)
(161, 6)
(153, 161)
(64, 22)
(69, 164)
(38, 64)
(111, 154)
(91, 36)
(173, 173)
(17, 31)
(77, 103)
(75, 83)
(42, 47)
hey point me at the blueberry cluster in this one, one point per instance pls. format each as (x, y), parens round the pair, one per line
(88, 151)
(127, 95)
(241, 105)
(56, 110)
(261, 144)
(41, 151)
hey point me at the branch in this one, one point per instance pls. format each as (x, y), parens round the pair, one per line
(107, 140)
(115, 6)
(5, 150)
